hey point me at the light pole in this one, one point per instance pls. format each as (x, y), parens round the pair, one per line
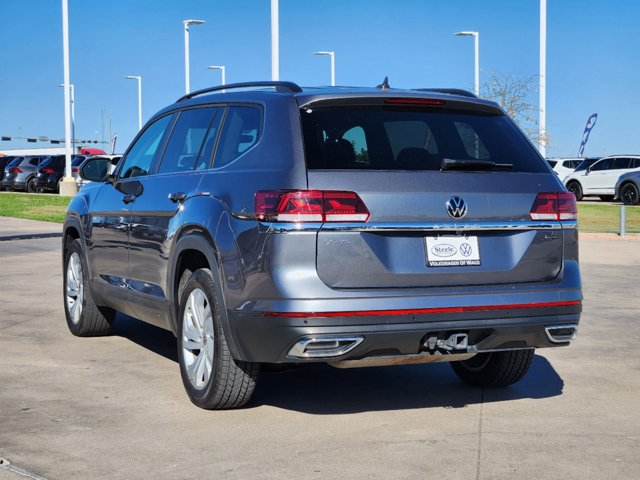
(72, 102)
(139, 78)
(542, 121)
(186, 50)
(222, 70)
(68, 185)
(476, 37)
(275, 41)
(333, 65)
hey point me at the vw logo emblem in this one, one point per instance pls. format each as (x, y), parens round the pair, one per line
(456, 207)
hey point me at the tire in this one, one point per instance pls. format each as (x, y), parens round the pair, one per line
(211, 377)
(629, 194)
(575, 188)
(495, 369)
(84, 317)
(606, 198)
(31, 186)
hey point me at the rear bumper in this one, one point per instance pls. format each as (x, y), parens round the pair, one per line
(260, 338)
(48, 182)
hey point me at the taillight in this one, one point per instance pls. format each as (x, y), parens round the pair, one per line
(554, 206)
(48, 170)
(310, 206)
(15, 170)
(75, 170)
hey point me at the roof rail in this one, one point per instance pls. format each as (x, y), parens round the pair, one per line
(450, 91)
(279, 86)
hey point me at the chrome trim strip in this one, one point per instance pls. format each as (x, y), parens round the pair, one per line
(561, 338)
(441, 226)
(299, 350)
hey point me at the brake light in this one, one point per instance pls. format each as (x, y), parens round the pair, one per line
(414, 101)
(554, 206)
(75, 169)
(48, 170)
(15, 170)
(310, 206)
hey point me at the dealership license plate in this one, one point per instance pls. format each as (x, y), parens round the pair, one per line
(452, 251)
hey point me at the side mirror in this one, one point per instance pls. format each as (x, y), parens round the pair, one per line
(95, 169)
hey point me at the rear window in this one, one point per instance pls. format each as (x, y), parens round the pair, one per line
(390, 138)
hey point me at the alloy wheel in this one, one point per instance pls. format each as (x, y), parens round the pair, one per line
(198, 339)
(75, 288)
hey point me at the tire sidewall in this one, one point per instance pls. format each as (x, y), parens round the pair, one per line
(203, 280)
(578, 193)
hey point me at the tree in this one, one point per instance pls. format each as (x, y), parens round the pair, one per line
(512, 93)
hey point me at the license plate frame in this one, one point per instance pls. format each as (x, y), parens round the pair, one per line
(452, 251)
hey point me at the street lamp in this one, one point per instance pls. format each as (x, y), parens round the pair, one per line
(222, 70)
(68, 185)
(186, 50)
(275, 40)
(333, 65)
(542, 121)
(476, 37)
(72, 103)
(139, 78)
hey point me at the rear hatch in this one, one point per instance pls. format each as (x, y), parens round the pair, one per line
(449, 187)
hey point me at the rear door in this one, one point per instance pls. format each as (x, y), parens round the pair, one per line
(464, 223)
(156, 212)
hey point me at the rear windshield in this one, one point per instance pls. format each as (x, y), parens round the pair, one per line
(390, 138)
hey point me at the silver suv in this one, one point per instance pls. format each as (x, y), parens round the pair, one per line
(265, 223)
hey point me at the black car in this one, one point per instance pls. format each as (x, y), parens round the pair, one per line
(265, 223)
(4, 162)
(51, 171)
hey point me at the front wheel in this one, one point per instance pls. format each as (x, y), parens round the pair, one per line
(31, 186)
(212, 378)
(629, 194)
(576, 189)
(494, 369)
(84, 317)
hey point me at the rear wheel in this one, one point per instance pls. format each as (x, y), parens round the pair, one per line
(575, 188)
(212, 378)
(84, 317)
(629, 194)
(606, 198)
(31, 186)
(494, 369)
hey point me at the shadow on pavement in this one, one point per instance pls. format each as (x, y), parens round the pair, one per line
(320, 389)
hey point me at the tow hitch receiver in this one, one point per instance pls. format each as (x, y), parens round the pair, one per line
(455, 342)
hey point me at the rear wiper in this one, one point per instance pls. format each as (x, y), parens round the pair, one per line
(471, 164)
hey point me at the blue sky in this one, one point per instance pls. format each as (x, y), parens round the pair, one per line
(593, 57)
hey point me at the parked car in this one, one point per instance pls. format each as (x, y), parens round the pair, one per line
(266, 223)
(564, 166)
(113, 159)
(21, 174)
(600, 178)
(4, 161)
(51, 171)
(628, 188)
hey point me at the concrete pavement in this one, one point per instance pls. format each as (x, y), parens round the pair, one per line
(115, 407)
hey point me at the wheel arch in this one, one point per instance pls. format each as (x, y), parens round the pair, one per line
(195, 248)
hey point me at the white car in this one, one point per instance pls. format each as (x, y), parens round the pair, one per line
(601, 177)
(564, 166)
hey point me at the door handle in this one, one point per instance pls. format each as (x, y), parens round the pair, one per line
(177, 197)
(129, 198)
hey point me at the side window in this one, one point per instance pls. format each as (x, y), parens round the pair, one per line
(622, 163)
(602, 165)
(355, 136)
(186, 140)
(240, 132)
(140, 157)
(34, 161)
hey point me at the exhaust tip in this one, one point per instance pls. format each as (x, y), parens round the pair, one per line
(324, 347)
(561, 333)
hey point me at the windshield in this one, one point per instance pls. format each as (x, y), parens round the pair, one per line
(401, 138)
(586, 164)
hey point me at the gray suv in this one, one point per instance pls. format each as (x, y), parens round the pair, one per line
(263, 223)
